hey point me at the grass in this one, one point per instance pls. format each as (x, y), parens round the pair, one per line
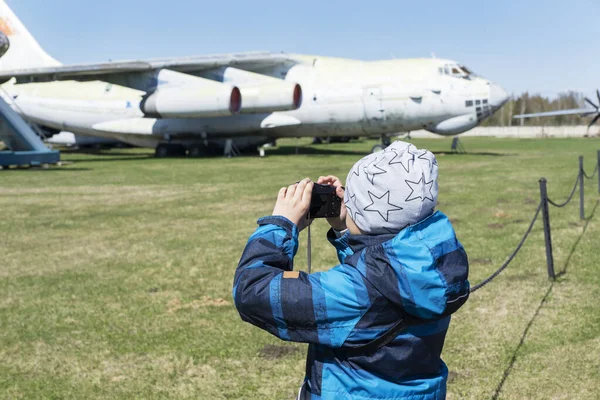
(116, 273)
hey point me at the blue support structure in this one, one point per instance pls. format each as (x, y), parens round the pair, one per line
(26, 148)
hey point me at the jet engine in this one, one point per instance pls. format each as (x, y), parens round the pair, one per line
(454, 125)
(261, 93)
(216, 100)
(271, 97)
(4, 44)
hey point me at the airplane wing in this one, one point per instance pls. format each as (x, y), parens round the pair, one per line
(581, 111)
(248, 60)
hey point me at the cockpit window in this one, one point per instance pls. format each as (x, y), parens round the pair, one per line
(455, 70)
(469, 72)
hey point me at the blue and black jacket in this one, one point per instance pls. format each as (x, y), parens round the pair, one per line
(420, 272)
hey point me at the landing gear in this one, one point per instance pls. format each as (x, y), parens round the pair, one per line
(376, 148)
(170, 150)
(231, 149)
(161, 151)
(196, 151)
(457, 146)
(385, 142)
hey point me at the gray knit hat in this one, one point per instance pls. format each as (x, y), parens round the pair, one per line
(392, 189)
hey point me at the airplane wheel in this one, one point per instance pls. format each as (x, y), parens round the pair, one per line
(376, 148)
(195, 151)
(162, 151)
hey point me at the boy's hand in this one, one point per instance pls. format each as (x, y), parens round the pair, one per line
(293, 203)
(339, 223)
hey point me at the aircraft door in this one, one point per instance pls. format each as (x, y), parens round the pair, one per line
(373, 104)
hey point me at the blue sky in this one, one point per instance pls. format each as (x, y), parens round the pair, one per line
(541, 46)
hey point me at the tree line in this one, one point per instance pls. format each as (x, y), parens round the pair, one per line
(534, 103)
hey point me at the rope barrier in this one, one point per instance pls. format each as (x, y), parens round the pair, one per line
(570, 196)
(591, 176)
(543, 207)
(512, 256)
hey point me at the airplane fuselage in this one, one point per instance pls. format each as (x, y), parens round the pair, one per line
(340, 97)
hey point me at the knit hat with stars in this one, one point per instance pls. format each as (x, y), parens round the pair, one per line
(392, 189)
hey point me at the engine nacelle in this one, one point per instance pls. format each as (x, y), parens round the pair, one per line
(271, 97)
(194, 102)
(4, 44)
(454, 125)
(261, 93)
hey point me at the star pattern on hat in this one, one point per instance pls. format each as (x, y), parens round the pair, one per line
(399, 161)
(427, 186)
(414, 155)
(373, 169)
(356, 171)
(353, 213)
(428, 159)
(381, 206)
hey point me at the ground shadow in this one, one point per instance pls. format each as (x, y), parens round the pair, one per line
(46, 170)
(513, 359)
(587, 222)
(98, 152)
(273, 151)
(132, 157)
(292, 150)
(472, 153)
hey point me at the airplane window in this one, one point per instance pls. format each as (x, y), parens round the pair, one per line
(478, 102)
(469, 103)
(467, 70)
(485, 101)
(455, 70)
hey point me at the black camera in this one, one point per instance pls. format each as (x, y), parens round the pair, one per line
(324, 202)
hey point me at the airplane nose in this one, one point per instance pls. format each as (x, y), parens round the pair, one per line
(498, 96)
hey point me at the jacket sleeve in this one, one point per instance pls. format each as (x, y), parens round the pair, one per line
(320, 308)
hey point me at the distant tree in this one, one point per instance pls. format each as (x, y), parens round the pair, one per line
(535, 103)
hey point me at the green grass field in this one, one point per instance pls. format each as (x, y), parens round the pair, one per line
(116, 273)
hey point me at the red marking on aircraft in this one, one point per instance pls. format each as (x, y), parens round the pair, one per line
(6, 27)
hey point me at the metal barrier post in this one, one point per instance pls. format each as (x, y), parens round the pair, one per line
(581, 189)
(547, 235)
(598, 166)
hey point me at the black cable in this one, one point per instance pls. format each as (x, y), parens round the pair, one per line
(591, 176)
(570, 196)
(512, 256)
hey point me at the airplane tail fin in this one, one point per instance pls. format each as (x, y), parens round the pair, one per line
(24, 51)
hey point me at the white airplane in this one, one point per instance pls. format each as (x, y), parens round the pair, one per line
(189, 104)
(70, 139)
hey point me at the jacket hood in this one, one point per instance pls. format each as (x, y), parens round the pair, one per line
(424, 259)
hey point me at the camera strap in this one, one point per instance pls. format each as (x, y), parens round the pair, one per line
(308, 249)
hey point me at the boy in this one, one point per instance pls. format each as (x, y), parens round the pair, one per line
(400, 261)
